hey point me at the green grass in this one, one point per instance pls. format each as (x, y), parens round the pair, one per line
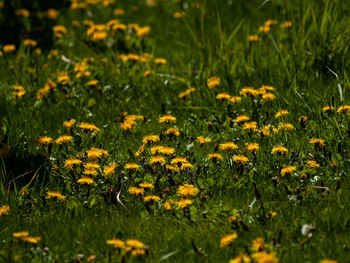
(306, 63)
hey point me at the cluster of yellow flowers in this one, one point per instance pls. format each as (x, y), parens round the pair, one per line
(130, 121)
(156, 153)
(98, 32)
(25, 237)
(55, 195)
(260, 253)
(266, 27)
(133, 247)
(4, 210)
(185, 191)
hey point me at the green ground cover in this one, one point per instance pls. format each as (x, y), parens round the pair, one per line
(174, 131)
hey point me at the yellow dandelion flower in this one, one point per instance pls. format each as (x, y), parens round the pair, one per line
(179, 14)
(151, 138)
(171, 168)
(19, 91)
(312, 164)
(317, 141)
(134, 117)
(92, 82)
(252, 147)
(241, 258)
(285, 126)
(119, 12)
(186, 165)
(116, 243)
(249, 91)
(55, 195)
(98, 36)
(187, 190)
(140, 150)
(279, 149)
(241, 159)
(228, 146)
(281, 113)
(162, 150)
(131, 166)
(146, 185)
(167, 205)
(9, 48)
(157, 160)
(136, 191)
(215, 156)
(160, 61)
(119, 27)
(151, 198)
(253, 38)
(45, 140)
(30, 42)
(232, 219)
(142, 31)
(266, 130)
(59, 29)
(258, 244)
(328, 261)
(4, 210)
(22, 12)
(241, 118)
(203, 140)
(89, 127)
(167, 119)
(64, 139)
(20, 234)
(63, 78)
(228, 239)
(52, 13)
(69, 163)
(85, 180)
(138, 252)
(69, 124)
(270, 22)
(235, 99)
(178, 160)
(250, 126)
(327, 108)
(173, 131)
(264, 257)
(96, 153)
(264, 29)
(223, 96)
(30, 239)
(109, 169)
(272, 213)
(91, 165)
(90, 171)
(184, 203)
(286, 24)
(288, 170)
(186, 92)
(146, 57)
(127, 125)
(133, 57)
(213, 82)
(267, 87)
(134, 243)
(268, 97)
(147, 73)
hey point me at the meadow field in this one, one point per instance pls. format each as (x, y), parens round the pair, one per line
(175, 131)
